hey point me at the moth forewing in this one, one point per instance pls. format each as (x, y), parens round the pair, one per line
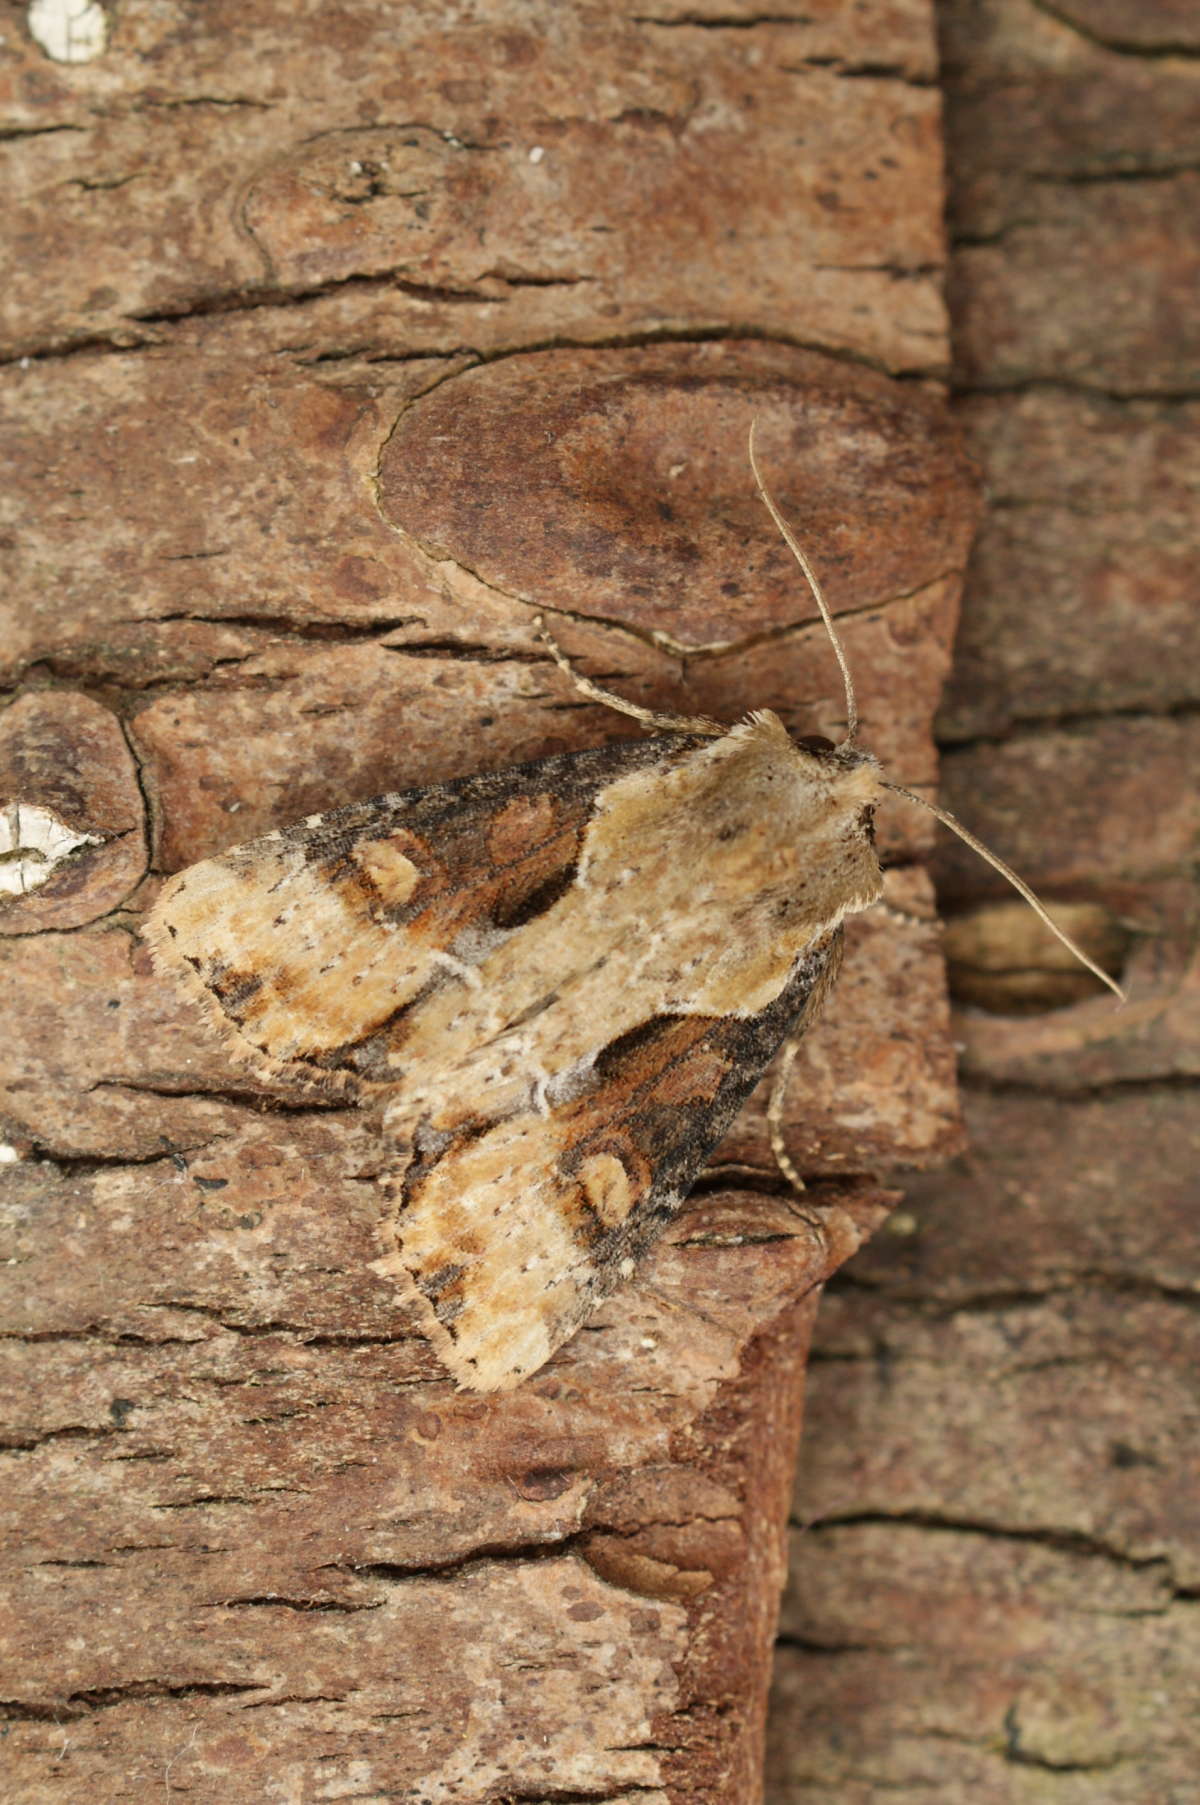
(302, 945)
(562, 980)
(530, 1092)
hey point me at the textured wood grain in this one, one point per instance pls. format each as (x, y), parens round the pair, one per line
(294, 297)
(997, 1541)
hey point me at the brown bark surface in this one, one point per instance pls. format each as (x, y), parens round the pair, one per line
(997, 1540)
(340, 340)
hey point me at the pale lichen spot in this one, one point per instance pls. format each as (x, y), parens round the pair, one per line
(69, 31)
(33, 844)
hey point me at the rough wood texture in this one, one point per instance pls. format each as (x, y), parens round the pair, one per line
(343, 338)
(995, 1564)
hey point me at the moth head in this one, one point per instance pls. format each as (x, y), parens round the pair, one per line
(790, 818)
(848, 774)
(849, 785)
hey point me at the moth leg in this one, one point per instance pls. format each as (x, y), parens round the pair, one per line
(649, 717)
(783, 1159)
(775, 1107)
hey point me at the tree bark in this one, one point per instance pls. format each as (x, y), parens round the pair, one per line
(997, 1544)
(340, 341)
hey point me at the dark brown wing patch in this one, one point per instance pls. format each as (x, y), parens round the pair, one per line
(305, 945)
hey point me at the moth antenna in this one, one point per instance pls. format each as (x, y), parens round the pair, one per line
(1018, 883)
(649, 717)
(793, 546)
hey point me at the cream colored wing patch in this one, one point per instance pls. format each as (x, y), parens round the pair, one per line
(294, 961)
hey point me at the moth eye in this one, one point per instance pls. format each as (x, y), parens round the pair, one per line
(816, 742)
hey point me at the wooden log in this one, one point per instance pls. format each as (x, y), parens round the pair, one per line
(342, 342)
(996, 1541)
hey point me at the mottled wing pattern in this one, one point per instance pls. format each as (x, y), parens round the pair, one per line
(304, 946)
(564, 978)
(513, 1235)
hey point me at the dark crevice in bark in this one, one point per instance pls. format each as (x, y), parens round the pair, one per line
(975, 241)
(1015, 1751)
(1062, 1541)
(485, 1553)
(966, 386)
(822, 1651)
(80, 1704)
(232, 102)
(732, 333)
(1097, 178)
(262, 1101)
(305, 1335)
(69, 1165)
(287, 626)
(256, 1498)
(459, 652)
(281, 1602)
(96, 343)
(550, 1794)
(720, 21)
(846, 71)
(100, 1335)
(248, 300)
(1121, 46)
(901, 272)
(16, 1444)
(909, 1301)
(1019, 726)
(1057, 1086)
(12, 133)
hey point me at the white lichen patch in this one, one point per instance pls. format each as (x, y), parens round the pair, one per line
(33, 844)
(70, 31)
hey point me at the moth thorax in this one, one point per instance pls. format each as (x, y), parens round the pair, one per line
(827, 795)
(832, 835)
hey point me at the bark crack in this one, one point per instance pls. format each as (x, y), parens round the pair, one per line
(1021, 726)
(1061, 1541)
(100, 1698)
(1123, 46)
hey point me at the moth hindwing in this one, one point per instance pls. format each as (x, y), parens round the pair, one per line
(561, 979)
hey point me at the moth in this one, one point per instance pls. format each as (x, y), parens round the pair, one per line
(560, 981)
